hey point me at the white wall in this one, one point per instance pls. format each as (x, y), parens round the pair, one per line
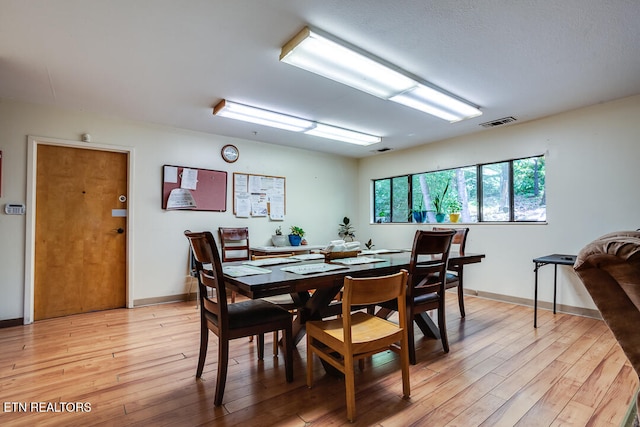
(592, 177)
(592, 180)
(320, 191)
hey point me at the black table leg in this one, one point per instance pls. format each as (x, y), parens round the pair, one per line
(535, 298)
(426, 325)
(555, 281)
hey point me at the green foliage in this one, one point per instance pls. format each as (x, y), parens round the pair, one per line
(346, 230)
(454, 206)
(297, 231)
(369, 244)
(438, 199)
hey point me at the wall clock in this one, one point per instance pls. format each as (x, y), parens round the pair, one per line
(230, 153)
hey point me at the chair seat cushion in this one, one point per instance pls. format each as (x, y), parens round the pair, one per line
(451, 277)
(420, 299)
(253, 312)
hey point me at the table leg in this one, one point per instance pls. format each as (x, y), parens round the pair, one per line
(423, 320)
(555, 280)
(427, 326)
(535, 298)
(314, 309)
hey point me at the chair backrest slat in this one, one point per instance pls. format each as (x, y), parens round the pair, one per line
(372, 290)
(429, 258)
(459, 239)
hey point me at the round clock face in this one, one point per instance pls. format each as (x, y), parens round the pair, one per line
(230, 153)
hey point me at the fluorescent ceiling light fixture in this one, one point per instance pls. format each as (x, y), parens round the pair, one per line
(259, 116)
(263, 117)
(436, 103)
(321, 55)
(324, 54)
(339, 134)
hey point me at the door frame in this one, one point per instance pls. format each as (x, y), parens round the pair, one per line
(29, 271)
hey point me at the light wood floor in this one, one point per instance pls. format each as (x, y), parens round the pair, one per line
(137, 367)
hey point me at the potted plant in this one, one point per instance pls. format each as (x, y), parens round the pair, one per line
(296, 235)
(454, 210)
(438, 203)
(346, 230)
(419, 214)
(382, 217)
(369, 245)
(278, 239)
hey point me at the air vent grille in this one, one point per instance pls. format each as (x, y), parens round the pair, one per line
(499, 122)
(382, 150)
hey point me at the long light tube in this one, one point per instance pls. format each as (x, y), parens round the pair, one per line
(264, 117)
(323, 54)
(259, 116)
(345, 135)
(436, 103)
(319, 54)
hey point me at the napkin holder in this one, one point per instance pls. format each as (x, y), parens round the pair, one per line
(331, 255)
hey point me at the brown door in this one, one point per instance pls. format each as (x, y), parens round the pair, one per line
(80, 244)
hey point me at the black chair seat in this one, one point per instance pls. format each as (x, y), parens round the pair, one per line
(421, 299)
(452, 280)
(249, 313)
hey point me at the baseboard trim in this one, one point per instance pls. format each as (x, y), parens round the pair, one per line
(165, 299)
(544, 305)
(8, 323)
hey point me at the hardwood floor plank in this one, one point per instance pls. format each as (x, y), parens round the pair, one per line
(518, 405)
(137, 367)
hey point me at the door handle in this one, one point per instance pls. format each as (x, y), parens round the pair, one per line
(119, 230)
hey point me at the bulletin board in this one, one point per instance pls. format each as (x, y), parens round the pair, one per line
(194, 189)
(259, 196)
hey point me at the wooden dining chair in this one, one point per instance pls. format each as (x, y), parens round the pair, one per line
(454, 273)
(234, 245)
(425, 290)
(342, 341)
(231, 321)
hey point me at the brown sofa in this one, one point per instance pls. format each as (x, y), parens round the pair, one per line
(609, 267)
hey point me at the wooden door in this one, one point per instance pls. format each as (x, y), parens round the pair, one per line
(80, 244)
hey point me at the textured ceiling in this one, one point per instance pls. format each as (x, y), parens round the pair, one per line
(169, 62)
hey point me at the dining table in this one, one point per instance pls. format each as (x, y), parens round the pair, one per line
(315, 283)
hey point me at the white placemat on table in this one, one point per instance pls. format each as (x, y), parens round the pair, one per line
(270, 261)
(312, 268)
(243, 270)
(380, 251)
(356, 260)
(306, 257)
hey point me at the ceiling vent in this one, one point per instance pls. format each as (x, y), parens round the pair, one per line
(382, 150)
(499, 122)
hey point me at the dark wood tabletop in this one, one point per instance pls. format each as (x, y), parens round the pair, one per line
(326, 285)
(280, 282)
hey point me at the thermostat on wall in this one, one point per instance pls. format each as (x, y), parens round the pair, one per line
(13, 209)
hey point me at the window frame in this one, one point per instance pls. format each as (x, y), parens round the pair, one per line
(480, 191)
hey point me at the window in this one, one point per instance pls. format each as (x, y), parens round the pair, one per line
(508, 191)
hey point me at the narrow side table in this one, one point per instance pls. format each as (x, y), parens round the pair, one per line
(555, 259)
